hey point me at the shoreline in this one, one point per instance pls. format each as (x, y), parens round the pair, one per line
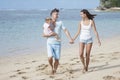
(109, 9)
(63, 48)
(104, 61)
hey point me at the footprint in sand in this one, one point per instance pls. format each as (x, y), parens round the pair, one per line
(34, 61)
(70, 71)
(64, 64)
(20, 72)
(102, 54)
(118, 72)
(30, 62)
(94, 60)
(12, 76)
(27, 68)
(116, 52)
(59, 79)
(42, 79)
(77, 61)
(24, 77)
(52, 76)
(102, 57)
(114, 58)
(73, 59)
(17, 63)
(73, 64)
(42, 67)
(26, 63)
(109, 78)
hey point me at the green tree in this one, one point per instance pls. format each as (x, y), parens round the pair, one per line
(110, 3)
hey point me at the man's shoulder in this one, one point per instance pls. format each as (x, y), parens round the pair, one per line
(59, 22)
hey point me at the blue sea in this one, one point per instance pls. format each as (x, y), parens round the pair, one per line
(21, 30)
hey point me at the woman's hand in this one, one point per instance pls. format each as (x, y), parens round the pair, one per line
(99, 43)
(71, 41)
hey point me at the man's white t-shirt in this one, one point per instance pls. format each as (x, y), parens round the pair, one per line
(59, 26)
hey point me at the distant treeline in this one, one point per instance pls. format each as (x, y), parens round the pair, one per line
(109, 3)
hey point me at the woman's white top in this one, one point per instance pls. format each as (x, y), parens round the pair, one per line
(85, 32)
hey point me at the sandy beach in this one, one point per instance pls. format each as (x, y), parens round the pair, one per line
(104, 64)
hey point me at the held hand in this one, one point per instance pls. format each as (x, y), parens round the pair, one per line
(99, 43)
(71, 41)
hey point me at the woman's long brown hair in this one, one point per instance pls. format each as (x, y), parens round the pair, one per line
(90, 16)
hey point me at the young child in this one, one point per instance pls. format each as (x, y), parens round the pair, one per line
(49, 28)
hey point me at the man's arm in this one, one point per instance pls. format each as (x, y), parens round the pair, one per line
(45, 35)
(51, 34)
(68, 35)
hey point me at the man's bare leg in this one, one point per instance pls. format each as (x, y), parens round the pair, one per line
(50, 60)
(56, 65)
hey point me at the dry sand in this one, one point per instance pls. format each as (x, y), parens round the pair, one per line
(104, 64)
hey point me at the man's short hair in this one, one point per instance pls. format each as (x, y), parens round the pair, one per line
(54, 10)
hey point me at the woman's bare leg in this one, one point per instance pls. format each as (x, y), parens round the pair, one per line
(81, 49)
(88, 50)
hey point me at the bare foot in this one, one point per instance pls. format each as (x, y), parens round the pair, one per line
(52, 72)
(86, 69)
(83, 70)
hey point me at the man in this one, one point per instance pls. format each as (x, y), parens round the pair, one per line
(54, 46)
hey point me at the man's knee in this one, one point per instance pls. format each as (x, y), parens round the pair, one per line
(56, 61)
(50, 59)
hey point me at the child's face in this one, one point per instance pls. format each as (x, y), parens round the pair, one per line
(49, 21)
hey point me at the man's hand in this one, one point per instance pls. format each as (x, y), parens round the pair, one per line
(71, 41)
(43, 35)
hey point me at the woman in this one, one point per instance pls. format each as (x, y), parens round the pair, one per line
(86, 24)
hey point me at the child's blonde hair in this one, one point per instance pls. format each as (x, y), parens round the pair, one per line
(48, 18)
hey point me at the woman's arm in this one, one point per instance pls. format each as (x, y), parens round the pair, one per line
(78, 32)
(95, 31)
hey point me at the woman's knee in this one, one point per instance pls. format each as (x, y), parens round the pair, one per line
(87, 55)
(81, 54)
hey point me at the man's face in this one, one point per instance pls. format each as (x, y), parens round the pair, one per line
(55, 15)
